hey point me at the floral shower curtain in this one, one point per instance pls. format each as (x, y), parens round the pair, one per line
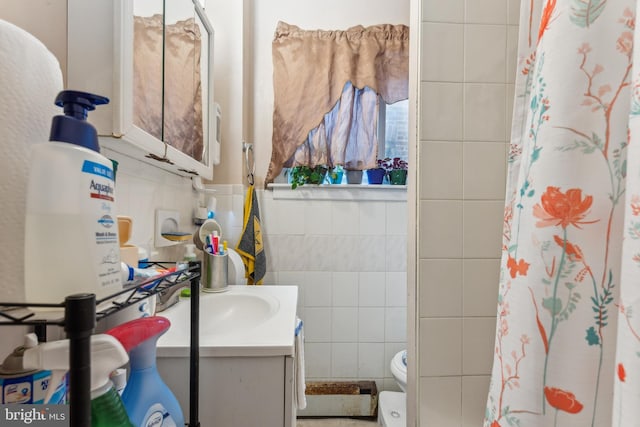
(567, 346)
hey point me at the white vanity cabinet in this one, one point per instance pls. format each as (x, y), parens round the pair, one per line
(247, 349)
(160, 87)
(237, 391)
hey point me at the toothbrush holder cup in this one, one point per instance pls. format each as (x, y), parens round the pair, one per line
(215, 272)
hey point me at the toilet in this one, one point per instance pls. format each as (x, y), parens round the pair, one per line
(392, 405)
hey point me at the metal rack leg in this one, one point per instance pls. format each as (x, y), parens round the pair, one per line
(79, 323)
(194, 351)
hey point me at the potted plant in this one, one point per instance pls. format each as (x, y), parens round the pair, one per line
(354, 176)
(301, 175)
(396, 170)
(335, 174)
(376, 175)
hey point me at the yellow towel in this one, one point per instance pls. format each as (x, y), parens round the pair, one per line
(250, 246)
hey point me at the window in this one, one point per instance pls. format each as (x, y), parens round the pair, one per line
(383, 133)
(394, 139)
(356, 71)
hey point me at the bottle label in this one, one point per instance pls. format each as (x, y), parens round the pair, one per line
(31, 389)
(101, 193)
(97, 169)
(158, 416)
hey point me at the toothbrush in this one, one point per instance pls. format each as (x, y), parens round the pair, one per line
(209, 248)
(215, 244)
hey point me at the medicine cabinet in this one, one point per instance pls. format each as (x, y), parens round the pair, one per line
(154, 61)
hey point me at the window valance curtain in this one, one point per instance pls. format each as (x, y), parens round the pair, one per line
(311, 68)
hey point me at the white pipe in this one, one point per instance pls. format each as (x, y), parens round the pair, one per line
(196, 181)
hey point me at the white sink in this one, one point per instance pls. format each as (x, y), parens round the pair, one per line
(243, 321)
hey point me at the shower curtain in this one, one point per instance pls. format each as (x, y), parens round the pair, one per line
(567, 344)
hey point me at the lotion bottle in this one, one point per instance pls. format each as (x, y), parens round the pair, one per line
(71, 230)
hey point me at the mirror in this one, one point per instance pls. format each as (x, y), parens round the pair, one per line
(154, 60)
(171, 75)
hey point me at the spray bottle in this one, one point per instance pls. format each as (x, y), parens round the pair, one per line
(20, 385)
(146, 397)
(107, 354)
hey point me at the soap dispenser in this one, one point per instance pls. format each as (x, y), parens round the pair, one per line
(71, 231)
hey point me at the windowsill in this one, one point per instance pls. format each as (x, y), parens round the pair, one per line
(355, 192)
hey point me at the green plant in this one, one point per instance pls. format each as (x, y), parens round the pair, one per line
(301, 175)
(335, 174)
(389, 164)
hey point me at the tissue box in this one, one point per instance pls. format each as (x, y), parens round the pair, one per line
(129, 255)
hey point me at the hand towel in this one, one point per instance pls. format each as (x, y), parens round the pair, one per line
(30, 79)
(250, 246)
(299, 385)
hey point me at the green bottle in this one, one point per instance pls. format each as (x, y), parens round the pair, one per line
(107, 410)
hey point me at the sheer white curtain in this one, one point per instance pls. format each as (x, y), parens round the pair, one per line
(567, 347)
(347, 135)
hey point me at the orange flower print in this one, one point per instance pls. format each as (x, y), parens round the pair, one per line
(622, 374)
(573, 251)
(564, 209)
(628, 19)
(517, 267)
(562, 400)
(495, 424)
(635, 205)
(625, 43)
(546, 17)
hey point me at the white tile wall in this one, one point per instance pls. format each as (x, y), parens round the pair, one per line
(484, 65)
(371, 360)
(344, 327)
(441, 401)
(441, 170)
(344, 360)
(440, 346)
(396, 289)
(372, 288)
(441, 120)
(345, 289)
(477, 350)
(442, 43)
(140, 190)
(349, 260)
(480, 286)
(486, 11)
(485, 170)
(441, 285)
(474, 390)
(464, 121)
(484, 112)
(440, 231)
(439, 11)
(371, 324)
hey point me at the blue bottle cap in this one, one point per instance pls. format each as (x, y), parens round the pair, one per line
(73, 126)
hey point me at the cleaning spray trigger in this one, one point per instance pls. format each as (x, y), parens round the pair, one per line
(52, 356)
(107, 354)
